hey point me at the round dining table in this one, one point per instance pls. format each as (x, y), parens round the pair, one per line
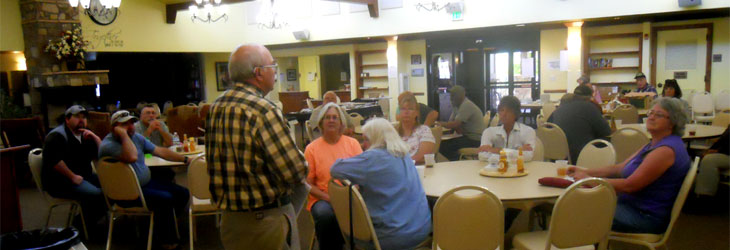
(154, 161)
(445, 176)
(702, 131)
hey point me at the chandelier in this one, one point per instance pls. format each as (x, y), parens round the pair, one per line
(208, 11)
(432, 6)
(96, 7)
(271, 15)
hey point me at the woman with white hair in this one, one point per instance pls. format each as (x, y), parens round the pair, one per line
(648, 182)
(320, 155)
(390, 187)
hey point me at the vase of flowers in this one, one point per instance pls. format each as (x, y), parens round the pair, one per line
(69, 48)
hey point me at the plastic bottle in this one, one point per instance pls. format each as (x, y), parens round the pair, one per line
(186, 145)
(520, 162)
(175, 139)
(503, 161)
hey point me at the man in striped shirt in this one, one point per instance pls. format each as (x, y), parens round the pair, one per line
(253, 162)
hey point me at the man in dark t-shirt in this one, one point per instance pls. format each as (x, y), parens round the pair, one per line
(67, 155)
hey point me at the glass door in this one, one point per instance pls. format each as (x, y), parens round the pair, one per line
(512, 73)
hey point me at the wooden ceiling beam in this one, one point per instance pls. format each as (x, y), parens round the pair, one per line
(372, 5)
(172, 9)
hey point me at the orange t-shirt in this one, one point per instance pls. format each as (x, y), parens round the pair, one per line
(320, 155)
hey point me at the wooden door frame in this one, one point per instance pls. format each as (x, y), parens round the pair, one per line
(708, 59)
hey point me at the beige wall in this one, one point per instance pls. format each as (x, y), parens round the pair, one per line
(209, 60)
(416, 83)
(11, 32)
(141, 27)
(551, 43)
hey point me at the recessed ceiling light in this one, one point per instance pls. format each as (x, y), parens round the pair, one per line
(520, 25)
(616, 18)
(577, 24)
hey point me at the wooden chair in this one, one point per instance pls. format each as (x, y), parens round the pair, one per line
(35, 161)
(347, 202)
(654, 241)
(591, 156)
(626, 141)
(468, 221)
(552, 135)
(581, 218)
(200, 197)
(628, 114)
(99, 123)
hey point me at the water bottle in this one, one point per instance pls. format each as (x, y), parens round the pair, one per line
(176, 139)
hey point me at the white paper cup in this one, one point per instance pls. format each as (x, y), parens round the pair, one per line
(430, 159)
(618, 123)
(562, 167)
(421, 172)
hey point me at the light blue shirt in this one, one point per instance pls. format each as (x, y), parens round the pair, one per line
(110, 146)
(394, 196)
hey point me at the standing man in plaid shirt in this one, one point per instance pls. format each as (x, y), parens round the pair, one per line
(253, 162)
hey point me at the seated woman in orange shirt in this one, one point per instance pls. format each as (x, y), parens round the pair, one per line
(320, 155)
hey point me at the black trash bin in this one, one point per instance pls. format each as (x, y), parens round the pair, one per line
(47, 239)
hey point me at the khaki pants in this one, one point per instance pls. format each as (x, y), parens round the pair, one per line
(709, 176)
(266, 229)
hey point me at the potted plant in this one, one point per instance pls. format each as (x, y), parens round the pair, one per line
(69, 48)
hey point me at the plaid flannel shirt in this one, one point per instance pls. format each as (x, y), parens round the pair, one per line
(252, 159)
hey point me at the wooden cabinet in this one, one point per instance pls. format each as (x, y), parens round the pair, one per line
(371, 67)
(614, 59)
(292, 101)
(344, 95)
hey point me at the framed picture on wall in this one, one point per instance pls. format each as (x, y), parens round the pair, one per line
(291, 74)
(415, 59)
(223, 81)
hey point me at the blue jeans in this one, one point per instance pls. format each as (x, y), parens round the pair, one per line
(88, 194)
(629, 219)
(162, 197)
(326, 227)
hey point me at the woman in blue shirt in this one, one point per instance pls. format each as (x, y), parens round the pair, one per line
(390, 186)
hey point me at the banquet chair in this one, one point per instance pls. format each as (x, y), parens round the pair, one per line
(540, 120)
(305, 224)
(35, 161)
(200, 197)
(721, 119)
(184, 119)
(356, 120)
(119, 182)
(551, 134)
(437, 132)
(687, 95)
(167, 106)
(654, 241)
(548, 108)
(626, 141)
(703, 108)
(591, 156)
(627, 113)
(487, 117)
(495, 121)
(468, 221)
(581, 218)
(347, 201)
(99, 123)
(468, 154)
(722, 101)
(310, 131)
(539, 151)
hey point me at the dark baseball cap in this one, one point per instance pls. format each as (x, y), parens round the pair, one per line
(75, 109)
(639, 75)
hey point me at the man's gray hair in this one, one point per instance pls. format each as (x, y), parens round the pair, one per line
(241, 65)
(678, 114)
(381, 134)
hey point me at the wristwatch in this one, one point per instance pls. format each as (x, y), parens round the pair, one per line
(185, 160)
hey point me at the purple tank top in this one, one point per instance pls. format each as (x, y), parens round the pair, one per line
(658, 197)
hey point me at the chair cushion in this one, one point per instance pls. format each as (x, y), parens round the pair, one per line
(536, 240)
(202, 205)
(651, 238)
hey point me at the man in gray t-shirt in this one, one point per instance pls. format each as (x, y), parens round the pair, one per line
(151, 128)
(466, 119)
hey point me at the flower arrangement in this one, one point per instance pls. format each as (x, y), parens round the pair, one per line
(71, 46)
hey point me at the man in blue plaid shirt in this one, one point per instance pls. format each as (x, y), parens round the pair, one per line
(253, 162)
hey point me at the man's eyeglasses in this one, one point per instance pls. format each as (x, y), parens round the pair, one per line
(274, 66)
(656, 114)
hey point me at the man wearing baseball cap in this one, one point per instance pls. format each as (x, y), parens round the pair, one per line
(124, 144)
(67, 155)
(642, 85)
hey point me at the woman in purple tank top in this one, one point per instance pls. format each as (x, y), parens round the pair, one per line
(649, 180)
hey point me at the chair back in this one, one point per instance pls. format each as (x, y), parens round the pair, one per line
(198, 178)
(626, 141)
(185, 120)
(721, 119)
(551, 134)
(21, 131)
(540, 120)
(356, 119)
(309, 103)
(167, 106)
(688, 94)
(362, 226)
(486, 118)
(305, 224)
(468, 220)
(627, 113)
(681, 198)
(702, 103)
(99, 123)
(722, 100)
(583, 216)
(310, 131)
(548, 108)
(203, 110)
(437, 132)
(495, 121)
(35, 162)
(591, 156)
(539, 151)
(119, 181)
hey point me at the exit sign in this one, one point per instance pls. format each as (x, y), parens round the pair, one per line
(456, 16)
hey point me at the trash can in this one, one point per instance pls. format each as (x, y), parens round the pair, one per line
(47, 239)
